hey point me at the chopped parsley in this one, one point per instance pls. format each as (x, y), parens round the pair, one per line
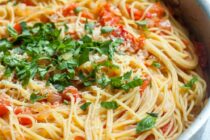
(77, 10)
(106, 29)
(65, 102)
(85, 106)
(147, 123)
(109, 105)
(12, 32)
(34, 97)
(123, 82)
(135, 83)
(191, 82)
(5, 45)
(142, 24)
(89, 26)
(103, 81)
(156, 64)
(56, 59)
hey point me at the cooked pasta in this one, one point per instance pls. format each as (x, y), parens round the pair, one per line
(95, 70)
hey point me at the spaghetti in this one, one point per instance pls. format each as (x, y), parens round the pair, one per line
(95, 70)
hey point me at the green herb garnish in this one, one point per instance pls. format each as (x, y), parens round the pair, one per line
(142, 24)
(191, 82)
(65, 102)
(109, 105)
(85, 106)
(12, 32)
(53, 58)
(34, 97)
(5, 45)
(156, 64)
(89, 26)
(106, 29)
(103, 81)
(77, 10)
(146, 123)
(135, 83)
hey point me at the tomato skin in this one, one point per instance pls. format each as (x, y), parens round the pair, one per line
(3, 107)
(69, 10)
(28, 2)
(24, 121)
(3, 110)
(157, 10)
(21, 110)
(121, 32)
(54, 98)
(137, 43)
(87, 15)
(144, 85)
(18, 111)
(165, 128)
(71, 89)
(150, 137)
(137, 13)
(107, 16)
(18, 28)
(140, 42)
(79, 138)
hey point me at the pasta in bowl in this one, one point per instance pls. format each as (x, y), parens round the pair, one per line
(96, 70)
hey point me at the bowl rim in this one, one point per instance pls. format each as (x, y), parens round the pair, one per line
(199, 122)
(205, 4)
(204, 116)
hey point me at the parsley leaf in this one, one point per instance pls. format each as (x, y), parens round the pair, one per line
(109, 47)
(108, 64)
(34, 97)
(112, 47)
(88, 80)
(109, 105)
(142, 24)
(10, 61)
(146, 123)
(85, 106)
(103, 81)
(26, 71)
(191, 82)
(77, 10)
(7, 72)
(12, 32)
(127, 75)
(153, 114)
(60, 81)
(84, 56)
(42, 72)
(89, 26)
(135, 83)
(25, 31)
(118, 82)
(156, 64)
(106, 29)
(5, 45)
(65, 102)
